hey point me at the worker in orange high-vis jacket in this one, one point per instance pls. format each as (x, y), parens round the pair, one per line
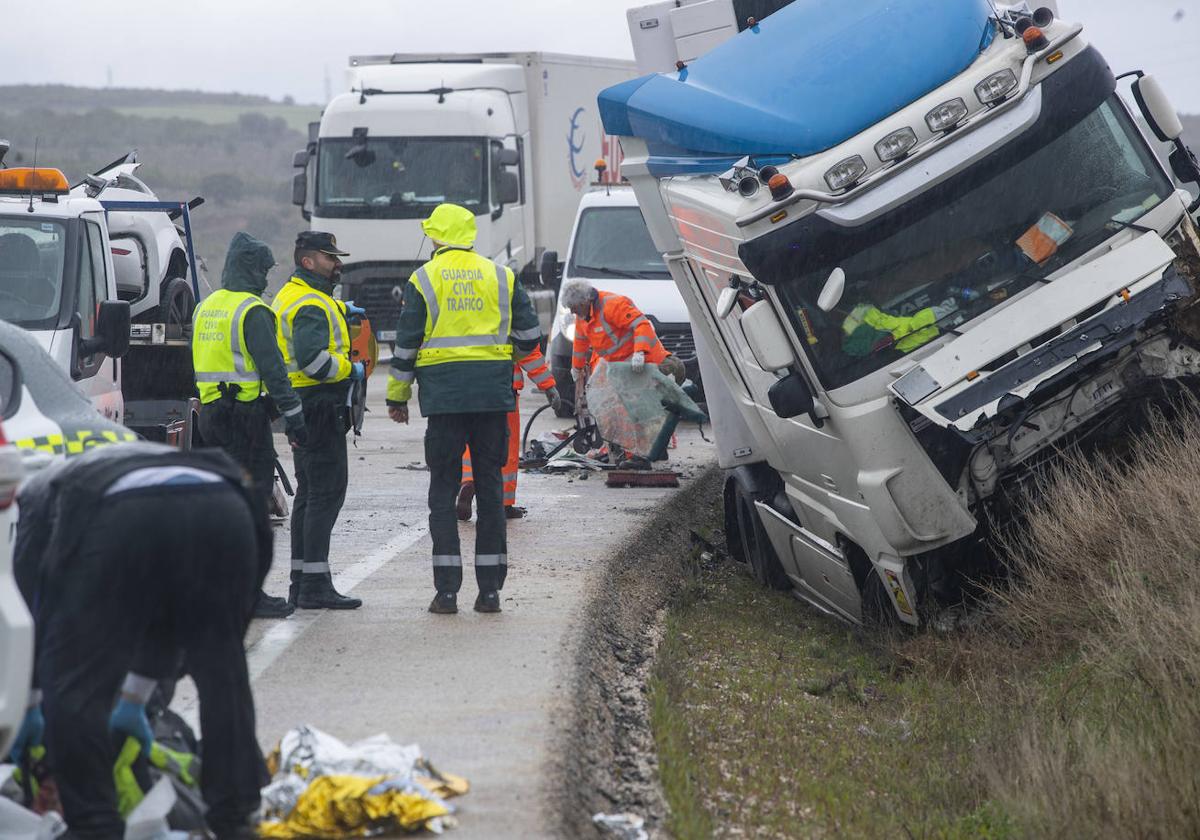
(608, 326)
(535, 367)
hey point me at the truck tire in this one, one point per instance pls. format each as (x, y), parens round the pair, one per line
(754, 545)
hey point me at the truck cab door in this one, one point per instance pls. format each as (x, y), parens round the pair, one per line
(98, 374)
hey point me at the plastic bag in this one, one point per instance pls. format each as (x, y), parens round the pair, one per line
(628, 406)
(18, 823)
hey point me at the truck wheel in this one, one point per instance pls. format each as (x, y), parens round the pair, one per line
(755, 546)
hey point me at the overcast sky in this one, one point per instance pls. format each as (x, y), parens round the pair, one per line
(288, 48)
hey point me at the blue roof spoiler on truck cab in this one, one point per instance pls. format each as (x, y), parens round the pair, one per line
(805, 79)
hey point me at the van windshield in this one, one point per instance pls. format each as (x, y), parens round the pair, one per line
(614, 242)
(32, 254)
(963, 247)
(400, 177)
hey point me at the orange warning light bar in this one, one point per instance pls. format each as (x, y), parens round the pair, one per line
(26, 179)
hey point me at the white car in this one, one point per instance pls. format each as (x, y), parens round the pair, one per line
(611, 248)
(148, 252)
(16, 625)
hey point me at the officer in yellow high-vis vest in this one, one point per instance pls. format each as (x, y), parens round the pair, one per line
(314, 338)
(237, 364)
(463, 317)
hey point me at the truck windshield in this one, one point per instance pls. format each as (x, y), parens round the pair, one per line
(963, 247)
(614, 242)
(32, 254)
(400, 177)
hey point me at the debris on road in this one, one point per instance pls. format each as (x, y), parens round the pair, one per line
(323, 788)
(642, 478)
(622, 826)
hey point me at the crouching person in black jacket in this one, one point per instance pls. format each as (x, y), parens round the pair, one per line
(133, 557)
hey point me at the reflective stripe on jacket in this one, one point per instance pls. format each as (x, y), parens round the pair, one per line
(219, 346)
(534, 366)
(295, 296)
(615, 330)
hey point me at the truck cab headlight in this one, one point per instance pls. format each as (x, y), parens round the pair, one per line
(995, 87)
(946, 116)
(844, 173)
(896, 144)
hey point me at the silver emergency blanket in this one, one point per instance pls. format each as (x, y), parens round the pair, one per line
(628, 406)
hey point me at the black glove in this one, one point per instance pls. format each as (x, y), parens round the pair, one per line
(553, 398)
(297, 431)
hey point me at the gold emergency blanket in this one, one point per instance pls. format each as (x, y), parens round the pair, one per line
(344, 806)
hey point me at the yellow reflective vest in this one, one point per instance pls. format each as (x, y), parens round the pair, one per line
(219, 346)
(468, 309)
(908, 331)
(293, 297)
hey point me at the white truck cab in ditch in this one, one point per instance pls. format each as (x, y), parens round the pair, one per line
(929, 247)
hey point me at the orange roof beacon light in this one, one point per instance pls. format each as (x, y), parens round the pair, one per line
(25, 180)
(600, 166)
(780, 186)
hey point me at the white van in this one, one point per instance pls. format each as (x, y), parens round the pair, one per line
(611, 248)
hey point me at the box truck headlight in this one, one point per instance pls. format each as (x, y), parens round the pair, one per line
(896, 145)
(996, 86)
(845, 173)
(946, 116)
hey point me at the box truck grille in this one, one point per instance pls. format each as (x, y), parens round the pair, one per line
(370, 286)
(677, 338)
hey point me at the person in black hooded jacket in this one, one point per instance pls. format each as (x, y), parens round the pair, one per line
(133, 559)
(241, 376)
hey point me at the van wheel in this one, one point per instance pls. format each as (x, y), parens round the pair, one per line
(755, 546)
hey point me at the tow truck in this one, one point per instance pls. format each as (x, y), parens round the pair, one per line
(79, 265)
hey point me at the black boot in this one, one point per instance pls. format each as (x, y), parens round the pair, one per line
(444, 603)
(317, 593)
(294, 587)
(488, 602)
(268, 606)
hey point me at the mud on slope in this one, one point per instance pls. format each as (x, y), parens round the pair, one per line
(606, 759)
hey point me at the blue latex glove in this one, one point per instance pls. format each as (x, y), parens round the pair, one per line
(353, 310)
(358, 370)
(129, 718)
(33, 727)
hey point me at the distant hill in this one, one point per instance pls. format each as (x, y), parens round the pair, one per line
(234, 150)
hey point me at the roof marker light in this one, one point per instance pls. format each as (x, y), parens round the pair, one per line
(40, 181)
(896, 145)
(1034, 39)
(845, 173)
(946, 116)
(996, 86)
(780, 186)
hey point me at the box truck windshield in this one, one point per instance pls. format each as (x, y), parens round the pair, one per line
(614, 242)
(956, 251)
(400, 177)
(32, 256)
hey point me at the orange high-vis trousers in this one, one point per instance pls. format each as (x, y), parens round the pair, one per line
(511, 465)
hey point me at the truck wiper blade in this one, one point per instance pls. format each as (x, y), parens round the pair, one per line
(612, 272)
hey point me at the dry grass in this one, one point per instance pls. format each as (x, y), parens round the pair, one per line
(1071, 710)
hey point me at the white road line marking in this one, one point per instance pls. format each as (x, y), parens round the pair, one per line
(263, 653)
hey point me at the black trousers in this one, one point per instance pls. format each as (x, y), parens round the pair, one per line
(321, 478)
(243, 430)
(164, 571)
(445, 437)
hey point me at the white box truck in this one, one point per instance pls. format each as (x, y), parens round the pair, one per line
(929, 246)
(511, 136)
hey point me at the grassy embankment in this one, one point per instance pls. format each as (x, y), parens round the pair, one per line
(1072, 709)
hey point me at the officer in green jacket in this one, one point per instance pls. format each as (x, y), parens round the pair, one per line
(463, 316)
(314, 339)
(237, 364)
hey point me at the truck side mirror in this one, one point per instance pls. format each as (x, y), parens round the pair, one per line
(791, 397)
(549, 269)
(766, 337)
(112, 331)
(300, 159)
(1156, 108)
(299, 188)
(508, 185)
(833, 289)
(507, 157)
